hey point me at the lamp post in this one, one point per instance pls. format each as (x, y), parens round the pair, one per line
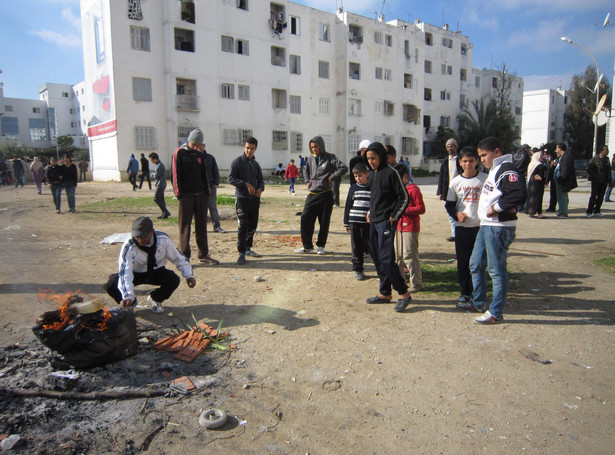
(597, 90)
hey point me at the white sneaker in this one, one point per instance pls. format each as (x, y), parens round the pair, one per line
(321, 250)
(304, 250)
(156, 306)
(488, 318)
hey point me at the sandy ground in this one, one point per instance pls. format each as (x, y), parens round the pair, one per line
(317, 370)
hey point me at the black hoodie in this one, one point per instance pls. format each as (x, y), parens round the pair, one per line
(323, 168)
(389, 197)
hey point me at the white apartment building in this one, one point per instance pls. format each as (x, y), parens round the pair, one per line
(543, 116)
(277, 70)
(38, 123)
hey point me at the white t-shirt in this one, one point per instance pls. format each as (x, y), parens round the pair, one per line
(465, 192)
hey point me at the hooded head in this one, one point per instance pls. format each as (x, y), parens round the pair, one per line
(321, 145)
(378, 149)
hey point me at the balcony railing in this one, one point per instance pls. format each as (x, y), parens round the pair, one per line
(188, 103)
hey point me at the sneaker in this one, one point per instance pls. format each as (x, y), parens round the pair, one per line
(57, 211)
(468, 306)
(321, 250)
(561, 215)
(359, 276)
(599, 215)
(450, 239)
(588, 215)
(541, 216)
(304, 250)
(402, 303)
(254, 254)
(488, 318)
(156, 306)
(241, 260)
(219, 230)
(208, 260)
(463, 299)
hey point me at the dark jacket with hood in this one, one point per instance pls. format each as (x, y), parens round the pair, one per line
(189, 172)
(389, 197)
(323, 168)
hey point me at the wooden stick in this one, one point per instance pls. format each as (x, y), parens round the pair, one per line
(121, 395)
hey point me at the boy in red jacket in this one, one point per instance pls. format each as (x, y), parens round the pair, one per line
(407, 235)
(291, 175)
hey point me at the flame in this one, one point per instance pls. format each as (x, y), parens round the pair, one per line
(66, 315)
(106, 316)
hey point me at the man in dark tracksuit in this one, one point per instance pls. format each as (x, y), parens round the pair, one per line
(246, 176)
(599, 174)
(321, 169)
(192, 190)
(144, 172)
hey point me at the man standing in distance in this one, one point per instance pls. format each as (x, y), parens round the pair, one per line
(321, 169)
(192, 189)
(246, 176)
(599, 174)
(449, 169)
(213, 177)
(565, 179)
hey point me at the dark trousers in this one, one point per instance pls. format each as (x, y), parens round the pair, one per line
(159, 200)
(382, 242)
(552, 196)
(82, 176)
(247, 218)
(359, 243)
(132, 178)
(145, 175)
(56, 192)
(317, 206)
(193, 206)
(464, 244)
(336, 190)
(596, 198)
(166, 279)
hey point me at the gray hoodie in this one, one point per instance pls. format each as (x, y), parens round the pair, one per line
(323, 168)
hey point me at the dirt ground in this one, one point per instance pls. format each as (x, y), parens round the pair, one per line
(317, 370)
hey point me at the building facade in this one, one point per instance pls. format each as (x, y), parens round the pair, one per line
(279, 71)
(543, 116)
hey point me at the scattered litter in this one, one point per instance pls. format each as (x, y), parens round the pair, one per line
(212, 418)
(451, 260)
(536, 290)
(9, 443)
(242, 422)
(258, 279)
(69, 374)
(13, 227)
(34, 235)
(571, 406)
(246, 386)
(183, 385)
(271, 332)
(116, 238)
(268, 288)
(314, 270)
(535, 357)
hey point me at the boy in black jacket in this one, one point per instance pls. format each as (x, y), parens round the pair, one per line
(389, 199)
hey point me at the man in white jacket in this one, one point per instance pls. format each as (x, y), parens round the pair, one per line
(142, 261)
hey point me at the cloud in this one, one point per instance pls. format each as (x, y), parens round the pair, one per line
(72, 19)
(60, 39)
(544, 36)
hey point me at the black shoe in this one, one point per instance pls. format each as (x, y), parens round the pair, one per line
(241, 260)
(219, 230)
(402, 303)
(450, 239)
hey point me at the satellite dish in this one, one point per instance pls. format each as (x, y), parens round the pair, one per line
(601, 118)
(600, 104)
(606, 20)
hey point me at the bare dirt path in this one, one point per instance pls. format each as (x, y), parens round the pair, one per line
(319, 371)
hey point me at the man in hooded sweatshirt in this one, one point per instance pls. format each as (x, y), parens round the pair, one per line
(321, 169)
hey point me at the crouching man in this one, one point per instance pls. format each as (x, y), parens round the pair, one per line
(142, 261)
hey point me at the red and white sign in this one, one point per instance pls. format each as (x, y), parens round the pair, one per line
(103, 128)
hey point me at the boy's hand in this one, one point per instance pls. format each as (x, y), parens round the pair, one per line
(491, 213)
(347, 228)
(191, 282)
(462, 217)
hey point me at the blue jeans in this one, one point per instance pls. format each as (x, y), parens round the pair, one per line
(491, 253)
(70, 196)
(56, 192)
(292, 184)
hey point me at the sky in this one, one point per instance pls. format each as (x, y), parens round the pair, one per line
(40, 40)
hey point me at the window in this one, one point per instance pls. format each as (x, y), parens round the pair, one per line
(378, 73)
(141, 89)
(278, 56)
(388, 39)
(428, 39)
(476, 81)
(278, 98)
(295, 104)
(518, 111)
(243, 92)
(427, 94)
(244, 134)
(387, 75)
(378, 37)
(325, 32)
(464, 49)
(411, 114)
(449, 70)
(10, 127)
(443, 69)
(355, 34)
(323, 106)
(388, 108)
(295, 64)
(295, 26)
(323, 69)
(186, 95)
(296, 142)
(354, 139)
(462, 74)
(183, 131)
(443, 94)
(227, 2)
(447, 42)
(8, 108)
(36, 110)
(494, 82)
(279, 140)
(227, 44)
(428, 66)
(228, 91)
(378, 107)
(407, 49)
(407, 80)
(354, 71)
(139, 38)
(243, 47)
(408, 146)
(230, 137)
(184, 40)
(463, 103)
(427, 122)
(354, 107)
(187, 11)
(445, 121)
(145, 138)
(242, 4)
(64, 94)
(72, 111)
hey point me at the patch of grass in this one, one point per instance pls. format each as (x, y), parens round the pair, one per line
(129, 204)
(418, 172)
(439, 279)
(608, 262)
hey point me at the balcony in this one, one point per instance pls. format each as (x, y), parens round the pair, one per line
(187, 103)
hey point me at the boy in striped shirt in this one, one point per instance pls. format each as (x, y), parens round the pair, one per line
(355, 218)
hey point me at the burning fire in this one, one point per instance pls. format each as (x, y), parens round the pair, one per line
(69, 309)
